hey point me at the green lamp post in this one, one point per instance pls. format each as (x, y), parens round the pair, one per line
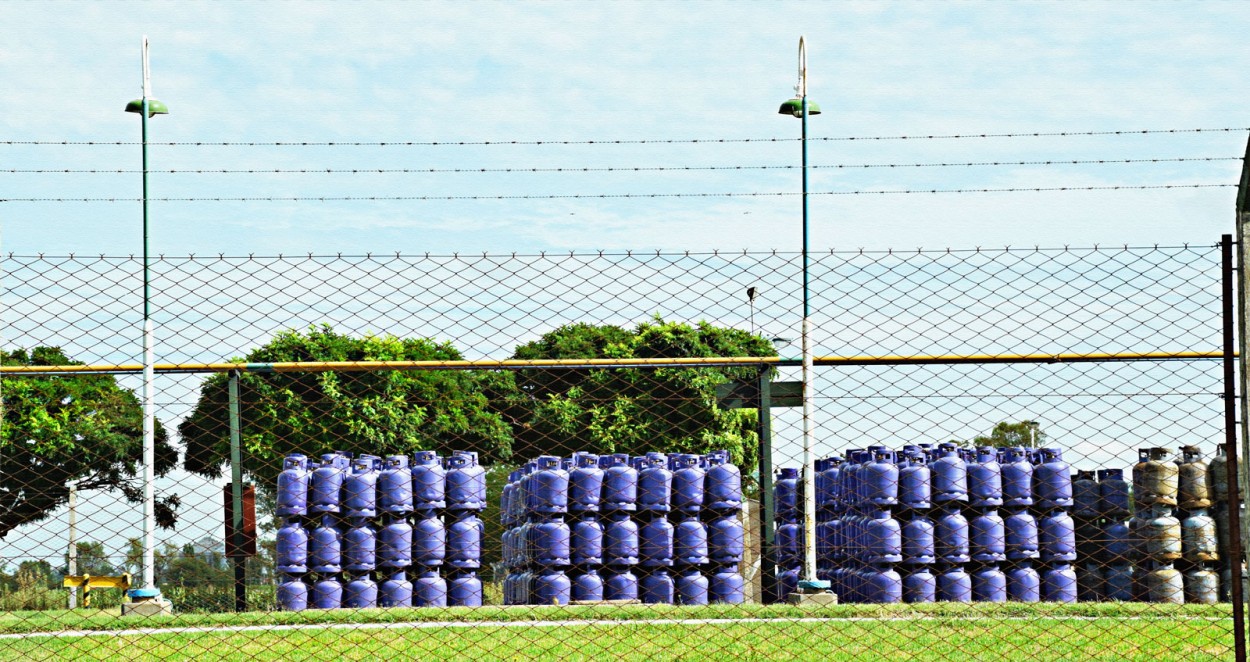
(147, 107)
(800, 107)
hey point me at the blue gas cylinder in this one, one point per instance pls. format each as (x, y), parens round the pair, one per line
(464, 589)
(395, 544)
(786, 495)
(585, 483)
(655, 543)
(989, 584)
(551, 538)
(690, 542)
(691, 587)
(1023, 583)
(1059, 583)
(824, 490)
(506, 517)
(954, 584)
(327, 593)
(620, 484)
(787, 582)
(395, 590)
(360, 546)
(985, 479)
(292, 548)
(292, 594)
(915, 482)
(360, 488)
(293, 487)
(429, 481)
(429, 540)
(1086, 500)
(949, 475)
(726, 585)
(327, 483)
(466, 482)
(723, 483)
(395, 486)
(1017, 476)
(464, 541)
(688, 482)
(883, 539)
(919, 586)
(587, 585)
(987, 537)
(1118, 582)
(1116, 546)
(549, 493)
(788, 544)
(325, 548)
(620, 584)
(586, 542)
(1022, 537)
(360, 593)
(951, 534)
(429, 589)
(655, 484)
(1089, 583)
(1113, 499)
(620, 540)
(919, 544)
(881, 585)
(1056, 536)
(837, 539)
(725, 537)
(1052, 481)
(656, 588)
(881, 480)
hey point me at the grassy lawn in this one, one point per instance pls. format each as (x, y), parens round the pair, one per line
(1112, 631)
(941, 637)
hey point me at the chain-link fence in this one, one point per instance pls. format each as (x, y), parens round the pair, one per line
(547, 429)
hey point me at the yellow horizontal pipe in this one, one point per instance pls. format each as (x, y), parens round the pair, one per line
(512, 364)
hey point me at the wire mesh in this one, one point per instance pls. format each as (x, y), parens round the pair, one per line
(702, 580)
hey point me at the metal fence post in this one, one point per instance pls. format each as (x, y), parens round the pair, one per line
(1230, 438)
(236, 494)
(768, 573)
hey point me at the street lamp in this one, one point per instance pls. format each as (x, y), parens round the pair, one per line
(1032, 432)
(147, 107)
(800, 107)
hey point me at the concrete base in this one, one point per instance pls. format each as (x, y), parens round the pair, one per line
(821, 598)
(149, 607)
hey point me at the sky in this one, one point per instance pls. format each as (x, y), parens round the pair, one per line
(498, 72)
(540, 93)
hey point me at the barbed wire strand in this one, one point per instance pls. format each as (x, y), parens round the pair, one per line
(601, 196)
(838, 166)
(637, 141)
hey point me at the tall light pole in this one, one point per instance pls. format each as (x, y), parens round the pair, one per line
(800, 107)
(147, 107)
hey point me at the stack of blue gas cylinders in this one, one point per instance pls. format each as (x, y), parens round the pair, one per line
(654, 528)
(942, 523)
(380, 532)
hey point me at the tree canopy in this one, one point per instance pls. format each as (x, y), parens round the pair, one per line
(1006, 435)
(71, 428)
(384, 412)
(669, 409)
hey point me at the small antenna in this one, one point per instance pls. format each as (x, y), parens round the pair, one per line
(147, 75)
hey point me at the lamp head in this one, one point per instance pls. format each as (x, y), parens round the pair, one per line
(154, 107)
(795, 107)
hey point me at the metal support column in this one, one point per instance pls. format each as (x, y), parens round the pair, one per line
(768, 572)
(236, 494)
(1230, 440)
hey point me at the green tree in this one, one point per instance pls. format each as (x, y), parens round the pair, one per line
(386, 412)
(71, 428)
(1005, 435)
(667, 409)
(92, 560)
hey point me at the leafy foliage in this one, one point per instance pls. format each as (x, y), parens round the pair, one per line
(62, 429)
(1005, 435)
(669, 409)
(388, 412)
